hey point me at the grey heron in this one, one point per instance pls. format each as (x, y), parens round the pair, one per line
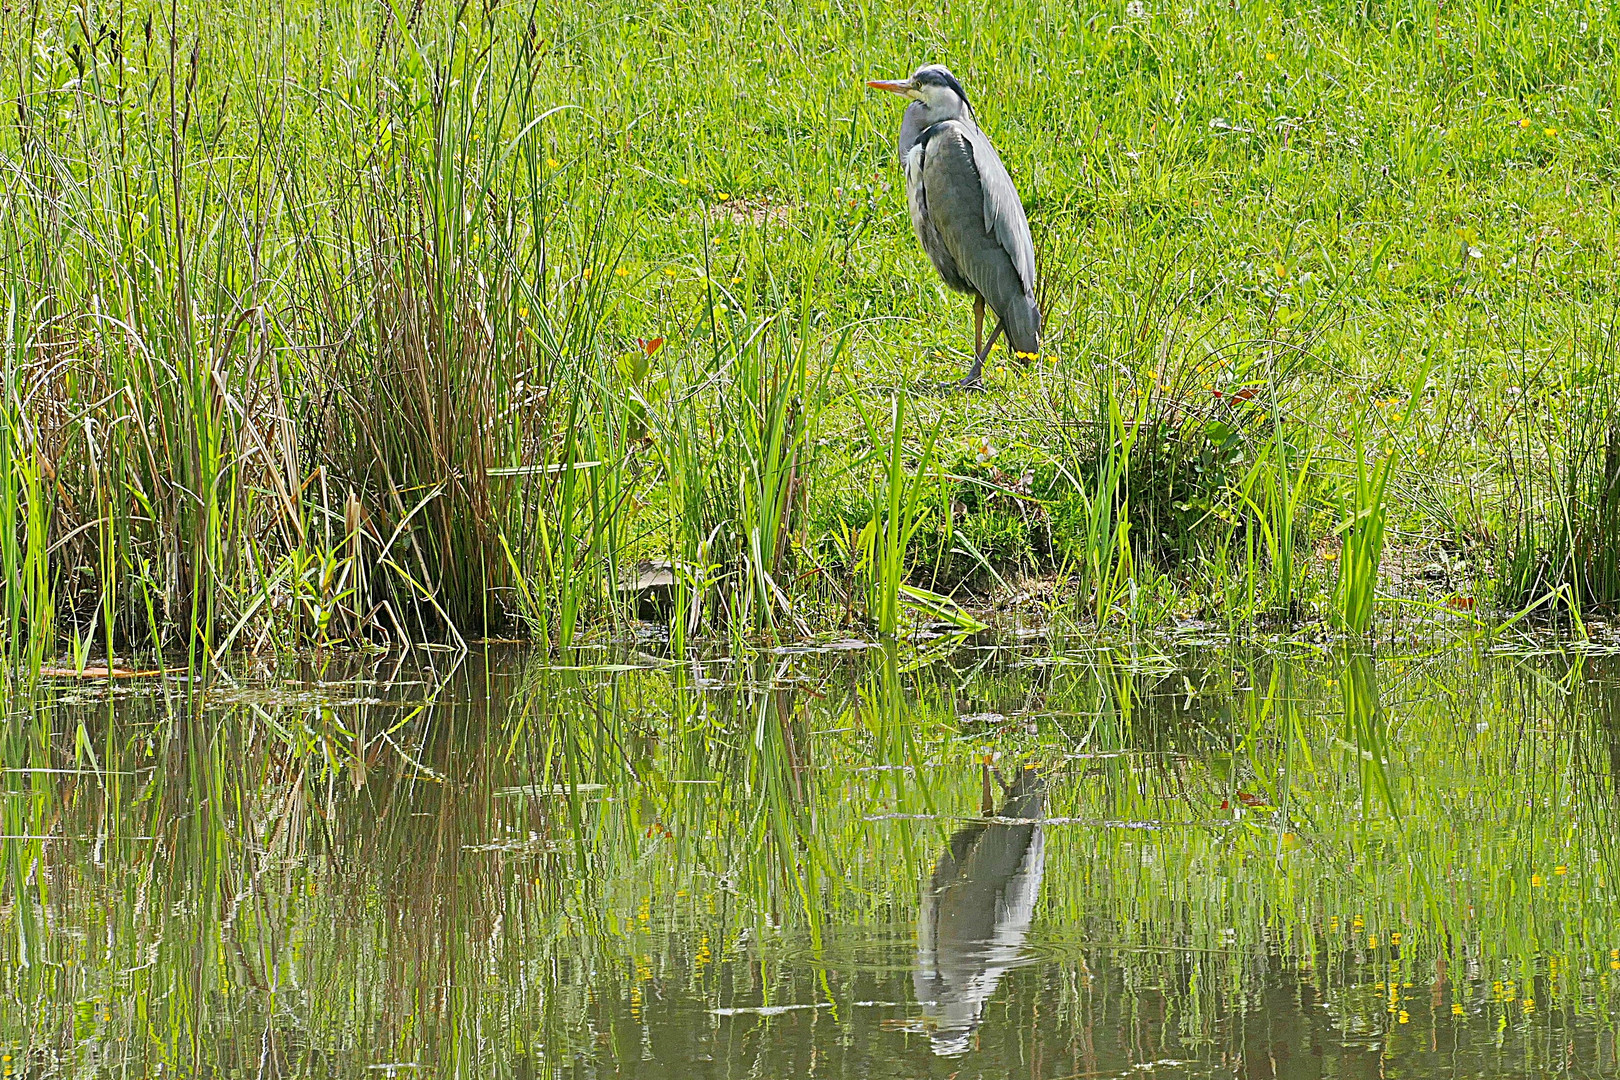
(966, 210)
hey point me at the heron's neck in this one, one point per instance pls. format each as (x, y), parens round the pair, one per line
(920, 116)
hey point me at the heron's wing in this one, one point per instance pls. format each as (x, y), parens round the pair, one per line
(1003, 210)
(974, 206)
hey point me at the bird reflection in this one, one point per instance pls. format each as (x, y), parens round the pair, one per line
(976, 911)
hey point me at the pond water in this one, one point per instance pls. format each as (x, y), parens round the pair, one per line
(1181, 859)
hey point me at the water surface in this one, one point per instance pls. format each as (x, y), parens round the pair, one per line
(1187, 860)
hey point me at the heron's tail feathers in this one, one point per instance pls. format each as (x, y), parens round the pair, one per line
(1022, 322)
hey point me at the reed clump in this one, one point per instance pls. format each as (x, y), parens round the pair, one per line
(1564, 535)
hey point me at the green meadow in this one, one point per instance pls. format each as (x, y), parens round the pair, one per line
(376, 323)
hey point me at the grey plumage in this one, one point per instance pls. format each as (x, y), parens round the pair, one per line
(965, 209)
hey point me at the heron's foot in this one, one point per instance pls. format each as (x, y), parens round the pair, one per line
(973, 379)
(973, 382)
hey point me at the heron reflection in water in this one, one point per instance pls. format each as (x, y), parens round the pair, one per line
(976, 911)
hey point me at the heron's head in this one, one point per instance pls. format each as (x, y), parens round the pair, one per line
(934, 88)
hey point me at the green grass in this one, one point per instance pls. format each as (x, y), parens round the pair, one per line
(322, 324)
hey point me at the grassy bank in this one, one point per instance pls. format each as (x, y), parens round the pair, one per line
(376, 323)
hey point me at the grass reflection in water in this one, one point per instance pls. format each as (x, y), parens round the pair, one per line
(1215, 861)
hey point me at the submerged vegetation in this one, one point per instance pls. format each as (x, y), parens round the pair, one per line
(384, 323)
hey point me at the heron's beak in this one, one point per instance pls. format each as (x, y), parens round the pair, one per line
(903, 87)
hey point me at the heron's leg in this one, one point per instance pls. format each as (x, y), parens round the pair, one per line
(978, 359)
(978, 325)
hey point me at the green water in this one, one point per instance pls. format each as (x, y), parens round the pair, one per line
(1199, 861)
